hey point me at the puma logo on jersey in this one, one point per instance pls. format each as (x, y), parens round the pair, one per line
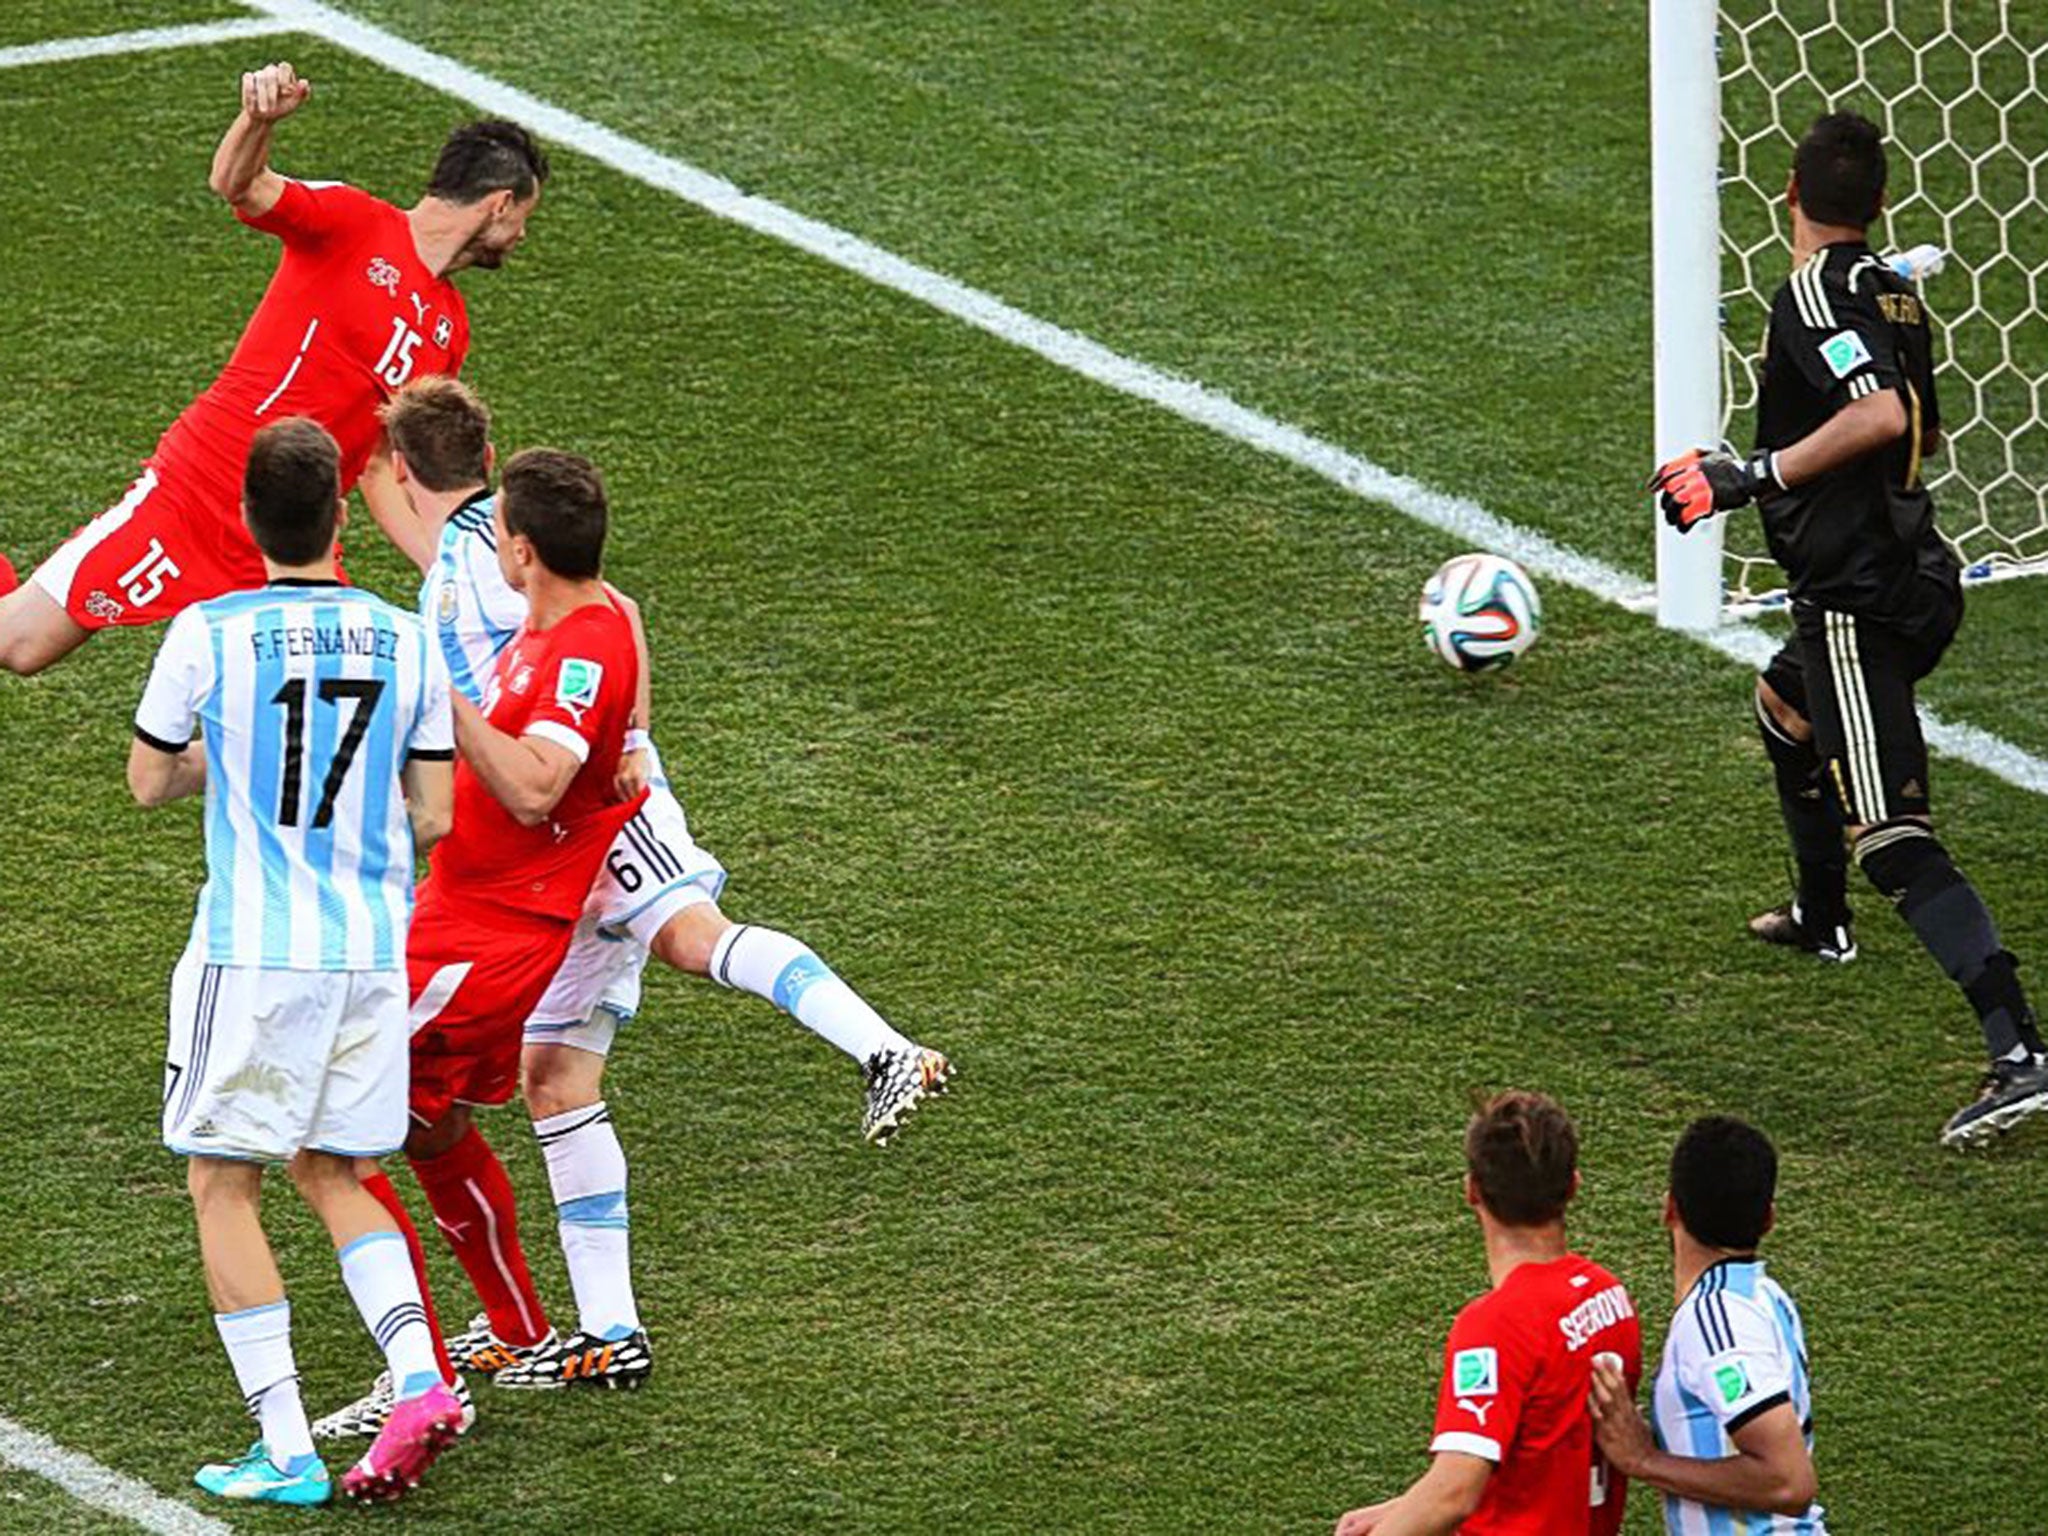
(419, 307)
(1478, 1411)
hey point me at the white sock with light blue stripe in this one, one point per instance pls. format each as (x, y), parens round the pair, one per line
(784, 971)
(377, 1270)
(259, 1346)
(587, 1170)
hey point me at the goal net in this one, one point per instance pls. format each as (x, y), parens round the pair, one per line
(1960, 88)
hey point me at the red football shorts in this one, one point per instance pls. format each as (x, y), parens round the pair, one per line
(477, 972)
(161, 548)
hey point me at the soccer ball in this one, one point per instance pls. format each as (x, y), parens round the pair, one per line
(1480, 611)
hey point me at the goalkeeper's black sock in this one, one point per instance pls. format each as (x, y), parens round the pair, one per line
(1908, 865)
(1813, 822)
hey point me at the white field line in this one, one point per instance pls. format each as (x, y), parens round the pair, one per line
(1461, 518)
(60, 49)
(90, 1483)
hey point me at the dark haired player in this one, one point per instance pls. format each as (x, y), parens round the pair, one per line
(322, 722)
(1514, 1453)
(657, 893)
(1733, 1400)
(361, 301)
(534, 815)
(1846, 414)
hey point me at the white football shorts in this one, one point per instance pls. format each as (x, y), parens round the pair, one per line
(653, 871)
(263, 1064)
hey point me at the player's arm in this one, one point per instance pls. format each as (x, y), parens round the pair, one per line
(159, 772)
(241, 165)
(429, 799)
(1436, 1504)
(1845, 349)
(428, 777)
(643, 694)
(528, 775)
(635, 765)
(1771, 1470)
(1860, 427)
(1486, 1378)
(391, 508)
(1696, 485)
(165, 763)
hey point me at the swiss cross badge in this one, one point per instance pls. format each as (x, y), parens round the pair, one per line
(444, 328)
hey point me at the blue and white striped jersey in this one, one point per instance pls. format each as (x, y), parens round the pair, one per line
(1736, 1349)
(310, 696)
(465, 601)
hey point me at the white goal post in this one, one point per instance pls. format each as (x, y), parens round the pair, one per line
(1960, 88)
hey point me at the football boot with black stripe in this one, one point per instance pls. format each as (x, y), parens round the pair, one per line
(2011, 1091)
(581, 1360)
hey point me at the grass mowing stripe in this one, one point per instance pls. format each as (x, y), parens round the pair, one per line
(61, 49)
(101, 1487)
(1455, 515)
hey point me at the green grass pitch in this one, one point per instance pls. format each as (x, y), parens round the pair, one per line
(1097, 750)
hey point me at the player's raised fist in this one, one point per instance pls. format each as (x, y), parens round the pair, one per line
(273, 92)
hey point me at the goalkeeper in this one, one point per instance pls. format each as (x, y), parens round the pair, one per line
(1845, 415)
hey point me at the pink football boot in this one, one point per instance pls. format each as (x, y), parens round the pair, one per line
(419, 1429)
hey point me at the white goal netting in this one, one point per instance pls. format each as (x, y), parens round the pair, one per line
(1960, 88)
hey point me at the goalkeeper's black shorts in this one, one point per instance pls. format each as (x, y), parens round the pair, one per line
(1853, 676)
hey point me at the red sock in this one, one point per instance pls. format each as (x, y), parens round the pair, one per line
(379, 1186)
(8, 580)
(472, 1201)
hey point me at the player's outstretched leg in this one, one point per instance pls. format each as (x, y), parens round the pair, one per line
(1817, 919)
(255, 1325)
(473, 1206)
(587, 1171)
(899, 1074)
(1909, 866)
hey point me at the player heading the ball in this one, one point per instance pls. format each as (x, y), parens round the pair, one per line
(323, 749)
(362, 300)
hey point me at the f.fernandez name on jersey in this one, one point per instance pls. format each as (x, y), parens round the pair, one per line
(279, 643)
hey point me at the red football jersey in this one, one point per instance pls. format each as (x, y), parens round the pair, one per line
(351, 314)
(1517, 1368)
(572, 685)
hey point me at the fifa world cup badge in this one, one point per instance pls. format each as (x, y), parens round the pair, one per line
(577, 684)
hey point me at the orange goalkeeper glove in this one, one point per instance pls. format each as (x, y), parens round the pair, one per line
(1696, 485)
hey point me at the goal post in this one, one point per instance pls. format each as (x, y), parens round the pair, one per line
(1685, 265)
(1960, 89)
